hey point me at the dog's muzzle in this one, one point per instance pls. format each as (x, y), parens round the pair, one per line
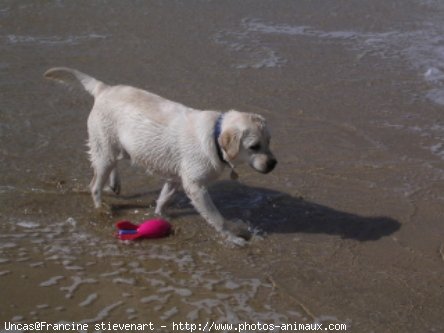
(264, 166)
(271, 163)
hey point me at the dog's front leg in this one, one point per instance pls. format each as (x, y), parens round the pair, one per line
(204, 205)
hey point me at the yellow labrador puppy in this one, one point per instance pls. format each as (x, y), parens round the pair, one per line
(182, 145)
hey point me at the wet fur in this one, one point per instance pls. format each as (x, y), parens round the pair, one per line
(170, 140)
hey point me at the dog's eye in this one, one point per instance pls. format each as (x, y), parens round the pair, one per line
(255, 147)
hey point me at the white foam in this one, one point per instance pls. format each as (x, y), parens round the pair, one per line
(209, 292)
(436, 95)
(28, 224)
(231, 285)
(7, 188)
(156, 282)
(89, 300)
(155, 298)
(120, 280)
(52, 281)
(255, 54)
(422, 48)
(71, 221)
(434, 74)
(169, 313)
(111, 273)
(102, 314)
(438, 149)
(77, 282)
(74, 268)
(179, 291)
(51, 40)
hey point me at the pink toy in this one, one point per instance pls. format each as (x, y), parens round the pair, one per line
(155, 228)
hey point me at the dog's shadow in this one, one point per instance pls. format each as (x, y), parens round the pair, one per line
(278, 212)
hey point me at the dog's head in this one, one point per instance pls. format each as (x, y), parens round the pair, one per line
(245, 138)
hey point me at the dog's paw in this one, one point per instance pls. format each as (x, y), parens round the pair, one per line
(241, 229)
(116, 188)
(238, 241)
(104, 210)
(112, 189)
(162, 213)
(238, 230)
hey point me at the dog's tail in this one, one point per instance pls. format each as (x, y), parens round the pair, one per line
(72, 76)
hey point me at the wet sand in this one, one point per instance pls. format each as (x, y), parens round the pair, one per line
(351, 219)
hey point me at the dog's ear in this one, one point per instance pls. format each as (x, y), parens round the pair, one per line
(258, 120)
(229, 141)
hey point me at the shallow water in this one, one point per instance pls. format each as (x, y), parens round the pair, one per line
(349, 225)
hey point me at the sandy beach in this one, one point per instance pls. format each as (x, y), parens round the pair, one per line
(350, 233)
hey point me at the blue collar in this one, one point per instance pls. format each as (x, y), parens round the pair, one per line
(217, 131)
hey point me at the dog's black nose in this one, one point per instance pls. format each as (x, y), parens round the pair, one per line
(271, 163)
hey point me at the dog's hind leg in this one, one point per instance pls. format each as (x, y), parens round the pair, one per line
(102, 170)
(114, 181)
(167, 193)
